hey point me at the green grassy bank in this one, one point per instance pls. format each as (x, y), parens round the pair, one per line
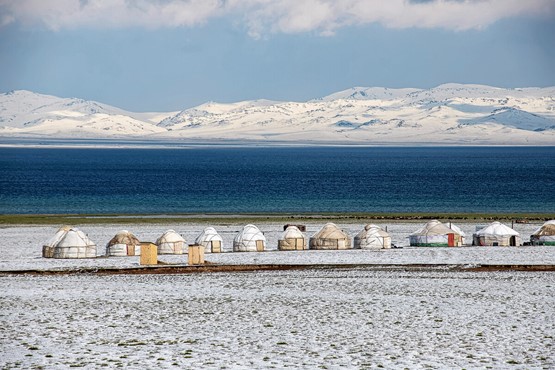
(37, 219)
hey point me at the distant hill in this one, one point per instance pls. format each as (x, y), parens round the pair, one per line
(450, 114)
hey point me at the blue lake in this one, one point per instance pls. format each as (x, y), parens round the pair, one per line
(291, 180)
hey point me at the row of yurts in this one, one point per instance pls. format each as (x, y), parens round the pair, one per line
(73, 243)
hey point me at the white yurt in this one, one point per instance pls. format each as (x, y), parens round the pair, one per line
(435, 234)
(69, 242)
(457, 230)
(496, 234)
(250, 239)
(372, 237)
(210, 240)
(292, 239)
(124, 243)
(330, 237)
(545, 235)
(48, 247)
(170, 242)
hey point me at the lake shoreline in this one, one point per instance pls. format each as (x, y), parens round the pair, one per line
(236, 218)
(192, 143)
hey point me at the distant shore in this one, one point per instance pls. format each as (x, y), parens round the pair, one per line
(191, 143)
(91, 219)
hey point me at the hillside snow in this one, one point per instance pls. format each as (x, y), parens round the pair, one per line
(447, 114)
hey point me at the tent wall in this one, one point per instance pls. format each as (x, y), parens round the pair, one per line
(373, 242)
(292, 244)
(496, 240)
(171, 247)
(123, 250)
(252, 245)
(88, 251)
(211, 246)
(429, 241)
(323, 243)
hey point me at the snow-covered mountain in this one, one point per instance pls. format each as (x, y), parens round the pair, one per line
(447, 114)
(27, 113)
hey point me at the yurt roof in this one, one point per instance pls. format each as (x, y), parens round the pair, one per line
(170, 236)
(58, 236)
(249, 232)
(433, 227)
(210, 234)
(372, 230)
(547, 229)
(292, 232)
(74, 238)
(455, 228)
(124, 237)
(330, 231)
(497, 228)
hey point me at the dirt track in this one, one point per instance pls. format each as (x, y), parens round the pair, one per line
(185, 269)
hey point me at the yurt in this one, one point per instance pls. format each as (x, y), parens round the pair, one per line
(457, 230)
(372, 237)
(123, 244)
(292, 239)
(545, 235)
(170, 243)
(496, 234)
(330, 237)
(250, 239)
(48, 247)
(210, 240)
(435, 234)
(69, 243)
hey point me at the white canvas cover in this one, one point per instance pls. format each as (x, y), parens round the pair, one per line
(497, 233)
(372, 237)
(170, 242)
(433, 234)
(48, 247)
(292, 239)
(545, 235)
(497, 228)
(330, 237)
(69, 243)
(124, 243)
(246, 239)
(206, 237)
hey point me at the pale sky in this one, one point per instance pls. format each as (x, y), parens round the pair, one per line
(162, 55)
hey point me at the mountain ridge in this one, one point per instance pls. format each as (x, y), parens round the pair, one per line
(446, 114)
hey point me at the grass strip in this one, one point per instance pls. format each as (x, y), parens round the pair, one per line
(81, 219)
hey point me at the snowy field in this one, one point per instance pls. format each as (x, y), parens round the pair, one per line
(21, 247)
(355, 318)
(323, 318)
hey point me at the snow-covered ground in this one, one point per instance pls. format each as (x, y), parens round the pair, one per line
(21, 247)
(322, 318)
(357, 318)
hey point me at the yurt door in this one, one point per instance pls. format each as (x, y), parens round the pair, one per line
(450, 240)
(216, 246)
(512, 241)
(130, 250)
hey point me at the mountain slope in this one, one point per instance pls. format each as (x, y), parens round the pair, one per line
(447, 114)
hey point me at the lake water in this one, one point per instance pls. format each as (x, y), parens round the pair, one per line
(290, 180)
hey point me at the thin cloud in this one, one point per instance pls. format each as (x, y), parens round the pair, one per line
(262, 17)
